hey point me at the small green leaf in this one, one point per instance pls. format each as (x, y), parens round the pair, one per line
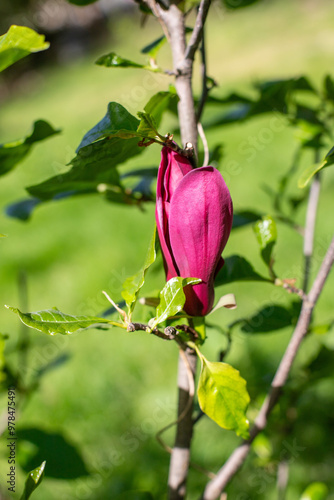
(266, 235)
(133, 284)
(19, 42)
(199, 325)
(112, 60)
(148, 126)
(222, 395)
(313, 169)
(14, 152)
(172, 299)
(53, 321)
(82, 3)
(315, 491)
(237, 268)
(153, 48)
(33, 480)
(159, 103)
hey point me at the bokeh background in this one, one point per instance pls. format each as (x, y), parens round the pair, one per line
(105, 394)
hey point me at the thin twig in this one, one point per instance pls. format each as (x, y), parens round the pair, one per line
(236, 460)
(310, 224)
(197, 33)
(205, 144)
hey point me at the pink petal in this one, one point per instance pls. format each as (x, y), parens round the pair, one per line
(200, 221)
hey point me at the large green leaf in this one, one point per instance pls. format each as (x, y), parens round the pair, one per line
(53, 321)
(33, 480)
(315, 491)
(19, 42)
(222, 395)
(133, 284)
(237, 268)
(172, 299)
(94, 165)
(14, 152)
(112, 60)
(117, 122)
(266, 235)
(63, 457)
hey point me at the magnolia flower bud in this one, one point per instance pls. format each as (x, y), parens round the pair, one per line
(194, 216)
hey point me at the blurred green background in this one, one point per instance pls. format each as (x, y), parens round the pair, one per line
(101, 409)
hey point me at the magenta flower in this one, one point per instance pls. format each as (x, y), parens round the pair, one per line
(194, 216)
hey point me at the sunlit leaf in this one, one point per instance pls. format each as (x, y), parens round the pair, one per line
(19, 42)
(222, 395)
(172, 299)
(113, 60)
(237, 268)
(117, 122)
(33, 480)
(313, 169)
(147, 126)
(133, 284)
(53, 321)
(266, 235)
(315, 491)
(14, 152)
(159, 103)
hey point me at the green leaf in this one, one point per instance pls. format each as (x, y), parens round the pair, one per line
(62, 456)
(172, 299)
(153, 48)
(53, 321)
(132, 285)
(237, 4)
(82, 3)
(311, 171)
(159, 103)
(117, 122)
(112, 60)
(33, 480)
(329, 88)
(315, 491)
(244, 217)
(199, 325)
(266, 235)
(14, 152)
(148, 126)
(237, 268)
(222, 395)
(19, 42)
(268, 319)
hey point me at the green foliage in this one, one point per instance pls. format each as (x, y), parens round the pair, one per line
(314, 169)
(14, 152)
(266, 234)
(19, 42)
(63, 459)
(53, 321)
(172, 299)
(222, 395)
(315, 491)
(113, 60)
(34, 479)
(237, 268)
(133, 284)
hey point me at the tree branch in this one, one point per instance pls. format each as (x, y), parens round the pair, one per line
(236, 460)
(310, 225)
(197, 33)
